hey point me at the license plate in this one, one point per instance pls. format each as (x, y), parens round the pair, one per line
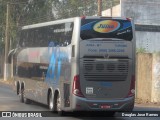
(105, 106)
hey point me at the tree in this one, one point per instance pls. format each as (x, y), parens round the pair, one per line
(24, 12)
(12, 20)
(37, 11)
(2, 27)
(73, 8)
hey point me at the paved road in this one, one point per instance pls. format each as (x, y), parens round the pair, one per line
(9, 101)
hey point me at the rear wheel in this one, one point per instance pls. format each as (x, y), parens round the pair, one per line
(18, 88)
(51, 102)
(58, 106)
(21, 95)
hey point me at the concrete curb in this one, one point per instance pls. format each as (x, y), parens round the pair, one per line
(149, 105)
(142, 103)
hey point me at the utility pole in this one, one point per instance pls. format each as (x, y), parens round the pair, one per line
(99, 7)
(111, 6)
(6, 65)
(85, 8)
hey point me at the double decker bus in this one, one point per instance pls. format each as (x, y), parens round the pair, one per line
(77, 64)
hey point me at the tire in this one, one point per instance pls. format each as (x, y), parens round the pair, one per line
(58, 106)
(51, 102)
(18, 89)
(21, 95)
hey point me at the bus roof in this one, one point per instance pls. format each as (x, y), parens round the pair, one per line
(68, 20)
(47, 23)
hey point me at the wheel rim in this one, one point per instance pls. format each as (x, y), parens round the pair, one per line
(24, 95)
(21, 95)
(58, 103)
(50, 102)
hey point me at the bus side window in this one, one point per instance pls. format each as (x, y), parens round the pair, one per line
(22, 39)
(43, 37)
(35, 37)
(27, 39)
(30, 38)
(59, 34)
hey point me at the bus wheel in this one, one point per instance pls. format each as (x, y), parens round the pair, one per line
(58, 106)
(51, 102)
(21, 95)
(18, 88)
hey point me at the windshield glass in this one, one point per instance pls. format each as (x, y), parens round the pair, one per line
(106, 28)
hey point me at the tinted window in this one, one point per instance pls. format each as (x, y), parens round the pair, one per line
(55, 35)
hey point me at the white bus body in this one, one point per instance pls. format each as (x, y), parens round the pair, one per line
(77, 64)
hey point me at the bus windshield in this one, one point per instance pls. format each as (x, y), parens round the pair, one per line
(106, 28)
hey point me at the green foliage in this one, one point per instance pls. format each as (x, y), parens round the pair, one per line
(37, 11)
(14, 10)
(24, 12)
(141, 50)
(73, 8)
(2, 27)
(109, 3)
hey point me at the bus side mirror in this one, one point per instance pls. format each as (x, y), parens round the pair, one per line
(10, 54)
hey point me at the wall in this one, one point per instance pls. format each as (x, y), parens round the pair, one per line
(148, 40)
(115, 12)
(156, 78)
(142, 11)
(148, 77)
(144, 76)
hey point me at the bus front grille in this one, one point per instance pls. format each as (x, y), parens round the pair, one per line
(105, 71)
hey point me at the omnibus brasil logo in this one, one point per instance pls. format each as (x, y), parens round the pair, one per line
(106, 26)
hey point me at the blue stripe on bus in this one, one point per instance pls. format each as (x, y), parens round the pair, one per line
(126, 25)
(56, 57)
(88, 26)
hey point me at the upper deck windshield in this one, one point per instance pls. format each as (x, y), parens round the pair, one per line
(106, 28)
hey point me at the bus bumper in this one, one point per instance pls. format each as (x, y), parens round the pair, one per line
(83, 104)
